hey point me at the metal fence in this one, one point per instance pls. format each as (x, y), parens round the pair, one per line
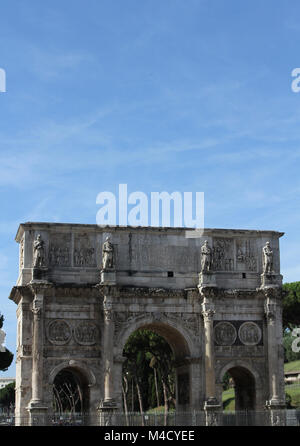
(195, 418)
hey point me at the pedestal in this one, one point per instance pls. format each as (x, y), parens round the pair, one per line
(271, 280)
(38, 414)
(106, 410)
(277, 412)
(213, 412)
(207, 279)
(40, 274)
(107, 277)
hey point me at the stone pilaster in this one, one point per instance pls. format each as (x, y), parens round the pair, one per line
(276, 402)
(108, 406)
(37, 409)
(211, 406)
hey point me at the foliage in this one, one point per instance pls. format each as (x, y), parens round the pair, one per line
(291, 305)
(149, 358)
(5, 357)
(293, 366)
(7, 396)
(289, 355)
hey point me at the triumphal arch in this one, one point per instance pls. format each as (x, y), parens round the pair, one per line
(215, 297)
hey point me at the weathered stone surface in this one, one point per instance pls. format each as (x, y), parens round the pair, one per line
(215, 299)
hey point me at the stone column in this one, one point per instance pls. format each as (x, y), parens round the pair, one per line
(276, 403)
(37, 409)
(211, 406)
(108, 405)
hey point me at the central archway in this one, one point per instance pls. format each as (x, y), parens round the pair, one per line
(183, 349)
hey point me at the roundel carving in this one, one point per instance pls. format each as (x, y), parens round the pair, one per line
(59, 332)
(249, 333)
(86, 333)
(225, 333)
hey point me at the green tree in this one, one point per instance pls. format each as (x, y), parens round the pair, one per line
(6, 357)
(7, 396)
(291, 305)
(148, 372)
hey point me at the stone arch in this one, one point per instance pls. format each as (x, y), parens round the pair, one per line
(77, 373)
(248, 383)
(77, 366)
(184, 346)
(174, 333)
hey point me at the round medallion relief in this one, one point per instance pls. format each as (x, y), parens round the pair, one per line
(225, 333)
(86, 333)
(59, 332)
(249, 333)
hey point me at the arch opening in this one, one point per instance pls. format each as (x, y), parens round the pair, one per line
(240, 389)
(70, 392)
(156, 373)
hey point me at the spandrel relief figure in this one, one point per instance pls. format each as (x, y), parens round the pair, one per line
(38, 252)
(268, 259)
(206, 257)
(107, 254)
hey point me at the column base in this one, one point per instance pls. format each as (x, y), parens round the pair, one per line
(277, 412)
(108, 277)
(106, 410)
(37, 413)
(213, 412)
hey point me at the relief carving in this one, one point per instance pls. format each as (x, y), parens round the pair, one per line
(244, 256)
(84, 253)
(86, 333)
(59, 332)
(225, 333)
(223, 255)
(250, 333)
(22, 253)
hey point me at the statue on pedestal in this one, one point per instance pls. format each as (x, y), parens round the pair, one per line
(268, 259)
(107, 254)
(205, 258)
(38, 252)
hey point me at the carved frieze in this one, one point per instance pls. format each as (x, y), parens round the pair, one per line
(223, 254)
(60, 250)
(245, 256)
(84, 251)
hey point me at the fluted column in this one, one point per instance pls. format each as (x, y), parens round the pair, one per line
(208, 315)
(108, 335)
(274, 324)
(108, 405)
(36, 407)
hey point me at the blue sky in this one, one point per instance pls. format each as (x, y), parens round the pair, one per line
(162, 95)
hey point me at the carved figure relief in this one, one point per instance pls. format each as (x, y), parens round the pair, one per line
(250, 333)
(84, 253)
(59, 332)
(223, 258)
(86, 333)
(246, 260)
(59, 256)
(225, 333)
(38, 252)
